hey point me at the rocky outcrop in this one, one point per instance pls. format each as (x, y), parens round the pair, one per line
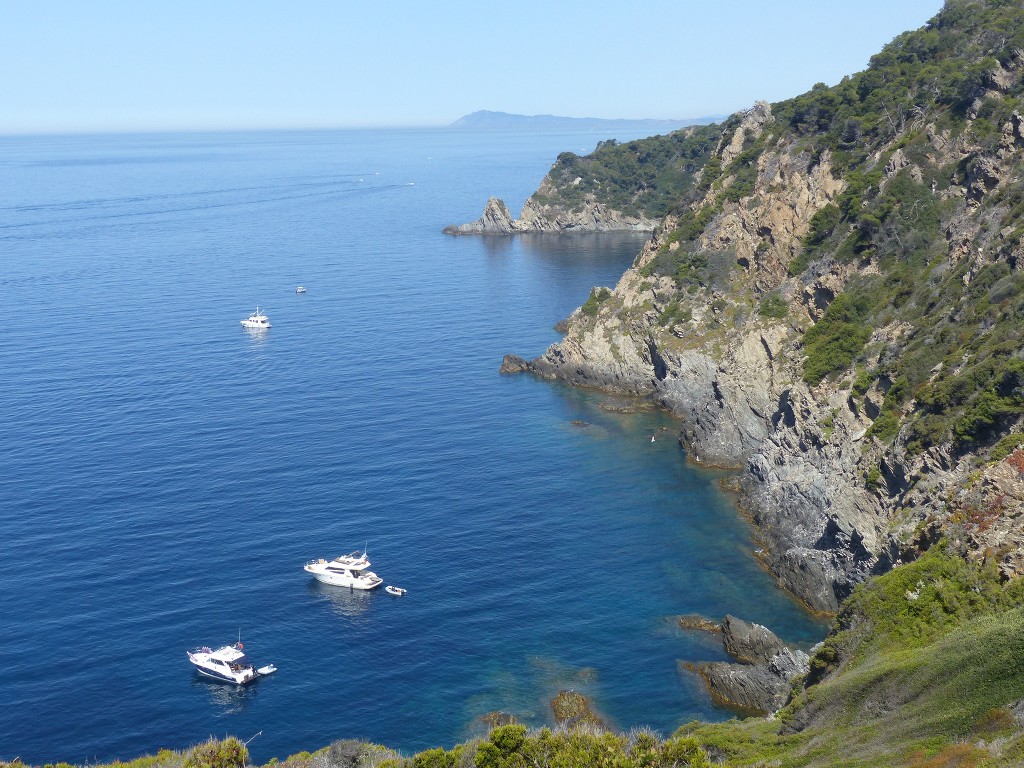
(495, 220)
(760, 679)
(749, 643)
(538, 217)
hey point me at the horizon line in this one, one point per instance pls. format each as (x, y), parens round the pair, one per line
(153, 130)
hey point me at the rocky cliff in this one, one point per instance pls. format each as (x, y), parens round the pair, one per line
(838, 318)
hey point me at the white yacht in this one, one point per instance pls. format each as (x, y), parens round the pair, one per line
(345, 571)
(228, 664)
(256, 320)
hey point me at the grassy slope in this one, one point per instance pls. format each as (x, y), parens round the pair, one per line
(923, 665)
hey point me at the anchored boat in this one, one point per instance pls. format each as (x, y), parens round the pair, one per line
(228, 664)
(345, 571)
(256, 320)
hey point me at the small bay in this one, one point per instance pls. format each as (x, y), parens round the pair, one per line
(167, 473)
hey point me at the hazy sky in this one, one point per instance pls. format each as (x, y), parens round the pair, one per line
(78, 65)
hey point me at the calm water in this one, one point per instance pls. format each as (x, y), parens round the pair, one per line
(165, 474)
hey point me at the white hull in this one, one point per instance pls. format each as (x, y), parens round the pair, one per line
(238, 680)
(364, 580)
(256, 320)
(227, 664)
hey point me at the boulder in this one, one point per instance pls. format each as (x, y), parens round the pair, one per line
(750, 643)
(514, 364)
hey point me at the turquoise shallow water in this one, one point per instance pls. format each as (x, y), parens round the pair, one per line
(166, 474)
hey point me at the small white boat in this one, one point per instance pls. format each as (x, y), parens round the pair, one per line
(345, 571)
(228, 664)
(269, 669)
(300, 289)
(397, 591)
(256, 320)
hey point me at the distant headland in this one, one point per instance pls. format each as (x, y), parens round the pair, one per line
(485, 119)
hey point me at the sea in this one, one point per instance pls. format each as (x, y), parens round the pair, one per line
(165, 473)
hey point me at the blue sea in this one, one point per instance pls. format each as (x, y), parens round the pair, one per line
(164, 473)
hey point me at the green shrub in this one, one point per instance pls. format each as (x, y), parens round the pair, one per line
(773, 305)
(835, 341)
(862, 383)
(822, 224)
(674, 313)
(1006, 446)
(229, 753)
(434, 758)
(502, 748)
(597, 297)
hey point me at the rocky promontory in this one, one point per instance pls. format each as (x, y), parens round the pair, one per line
(760, 679)
(496, 220)
(591, 216)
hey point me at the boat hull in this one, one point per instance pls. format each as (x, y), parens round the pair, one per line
(226, 665)
(224, 678)
(364, 581)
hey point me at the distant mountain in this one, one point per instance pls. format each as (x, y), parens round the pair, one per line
(487, 120)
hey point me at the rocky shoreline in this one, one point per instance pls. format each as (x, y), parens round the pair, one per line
(758, 681)
(831, 503)
(712, 322)
(540, 218)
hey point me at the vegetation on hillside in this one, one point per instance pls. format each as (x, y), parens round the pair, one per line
(953, 374)
(646, 176)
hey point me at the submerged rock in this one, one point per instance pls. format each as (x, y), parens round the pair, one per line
(496, 719)
(573, 708)
(696, 622)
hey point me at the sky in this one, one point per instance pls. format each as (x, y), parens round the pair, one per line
(69, 66)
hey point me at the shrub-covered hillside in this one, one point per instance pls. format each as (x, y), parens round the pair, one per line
(921, 141)
(833, 300)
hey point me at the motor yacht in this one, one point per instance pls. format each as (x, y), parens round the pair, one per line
(228, 664)
(345, 571)
(256, 320)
